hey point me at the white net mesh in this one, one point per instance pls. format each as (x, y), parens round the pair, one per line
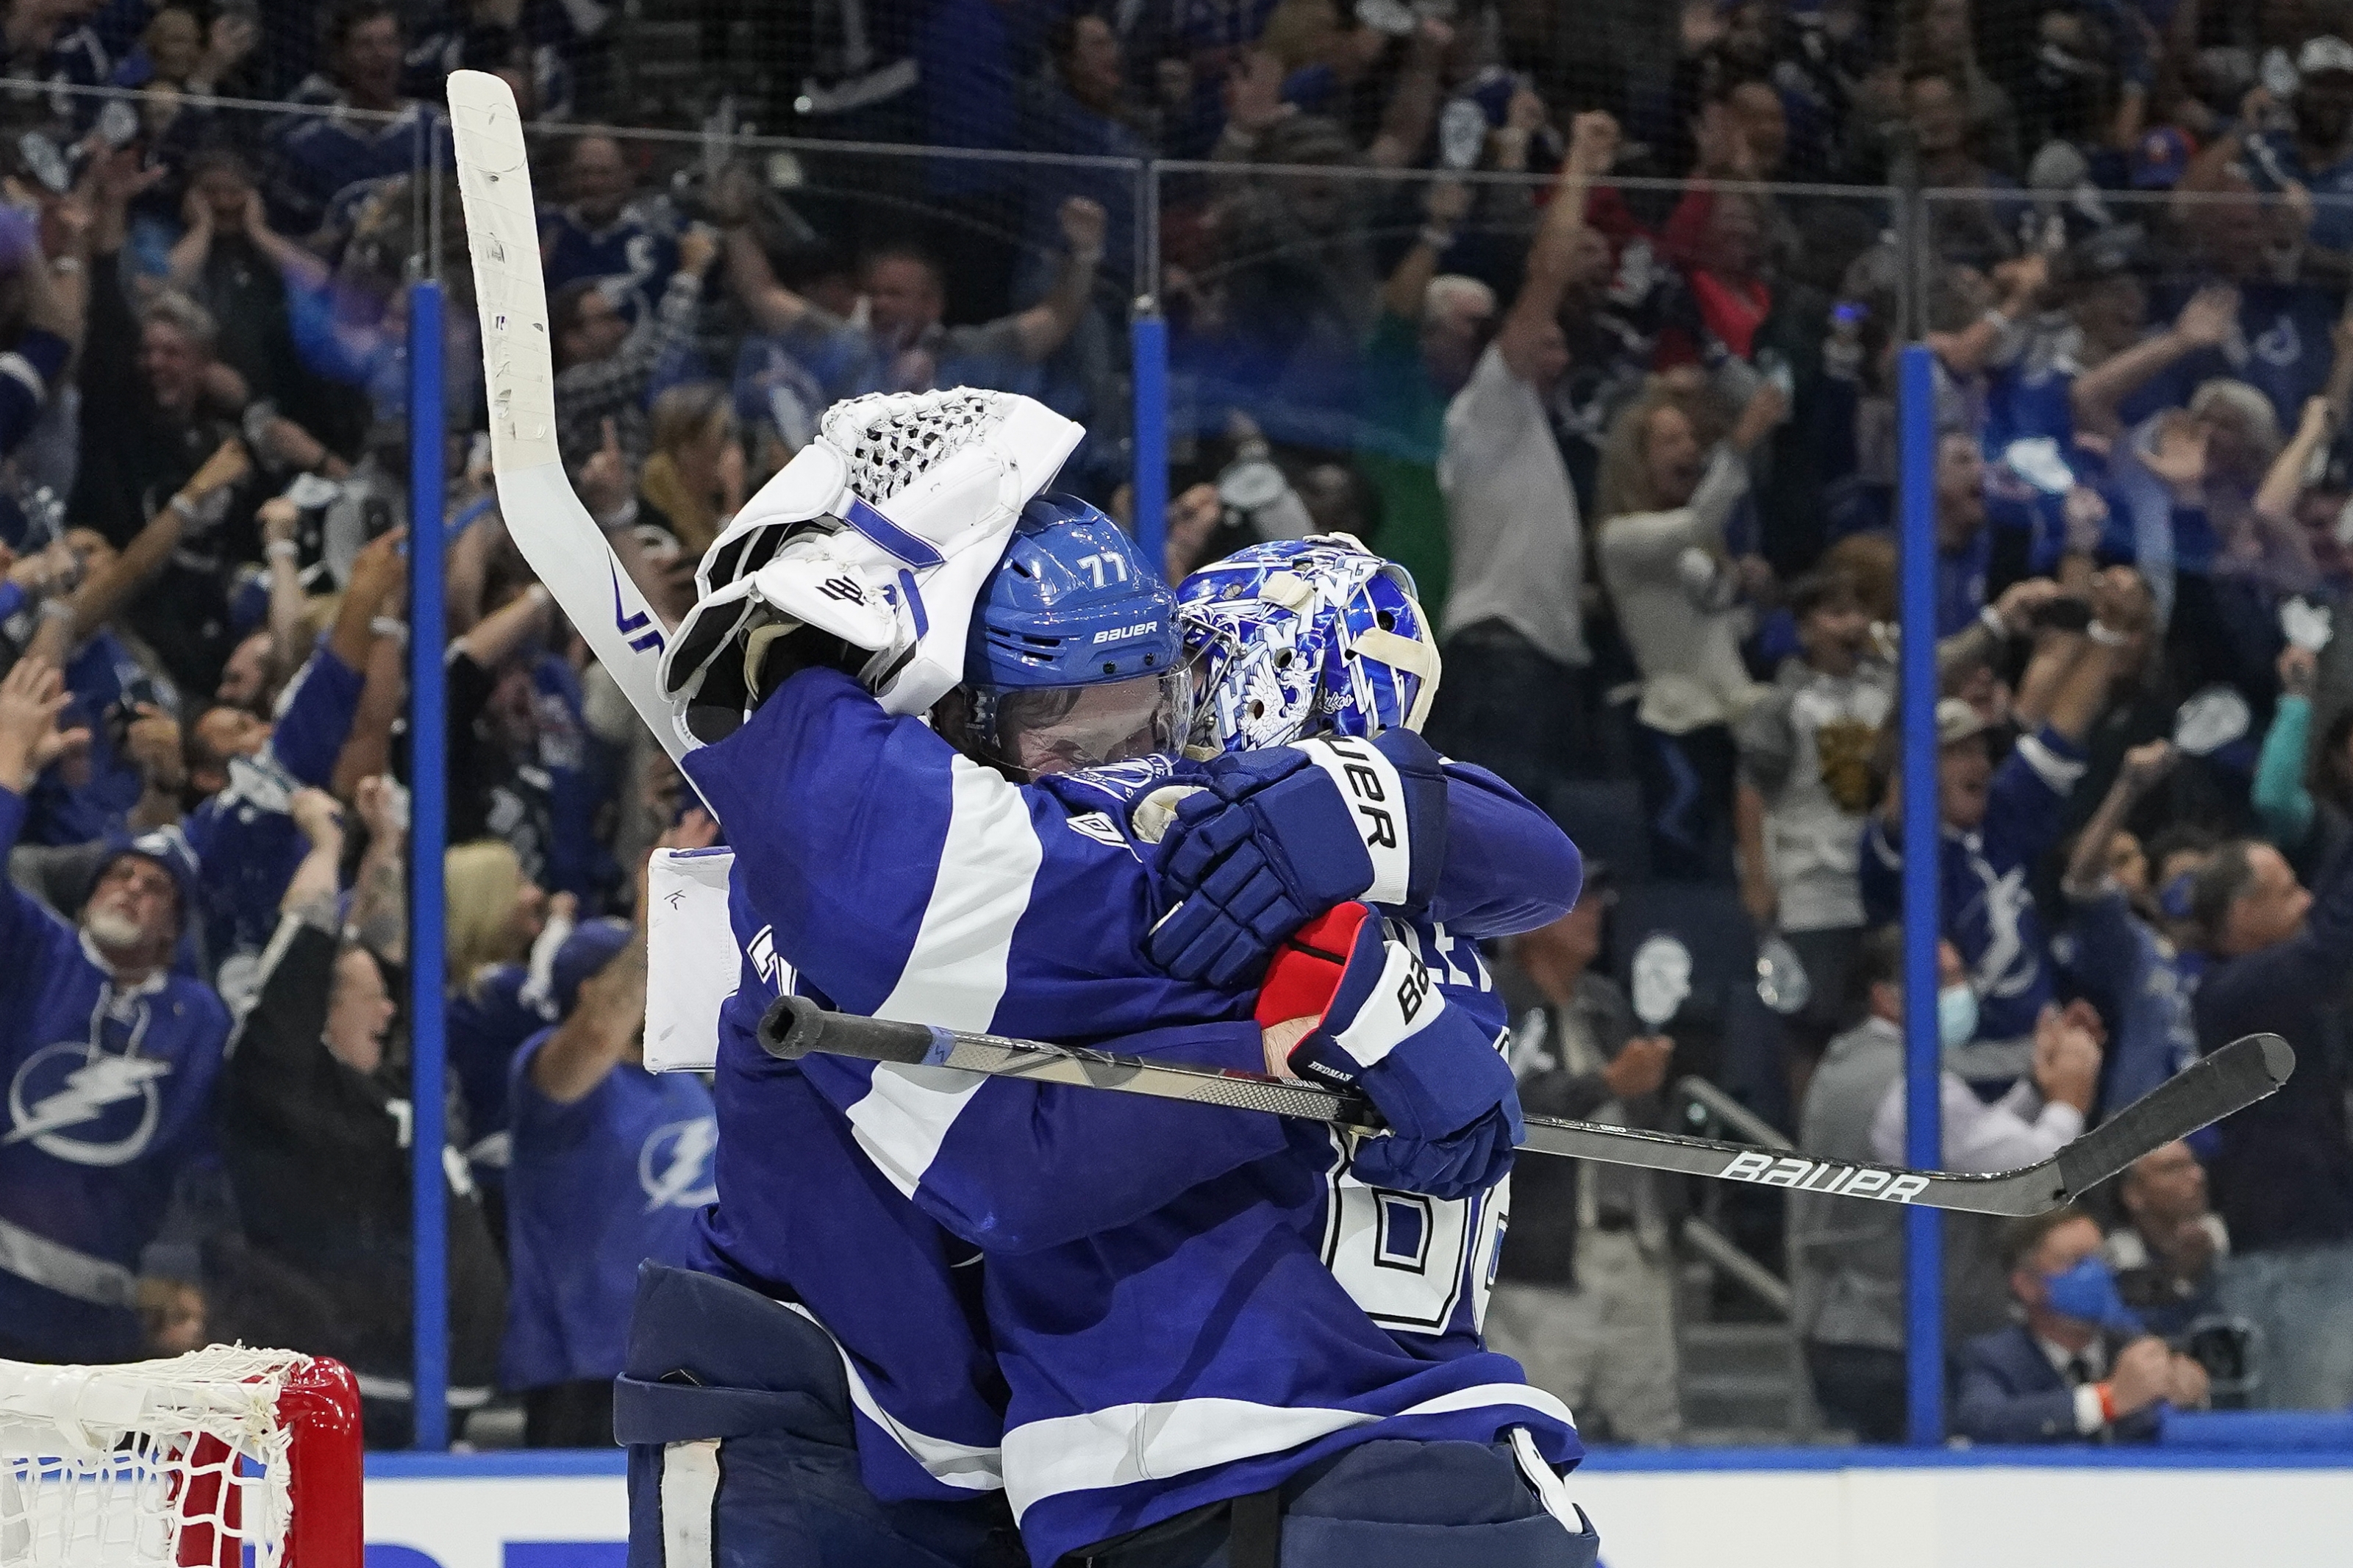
(166, 1463)
(889, 438)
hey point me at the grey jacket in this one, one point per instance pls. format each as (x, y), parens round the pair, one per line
(1846, 1255)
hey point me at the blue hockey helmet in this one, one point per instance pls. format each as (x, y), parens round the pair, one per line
(1075, 660)
(1306, 637)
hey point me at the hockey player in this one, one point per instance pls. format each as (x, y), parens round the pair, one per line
(1288, 1352)
(110, 1059)
(913, 883)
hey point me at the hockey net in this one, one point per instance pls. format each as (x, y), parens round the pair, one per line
(217, 1459)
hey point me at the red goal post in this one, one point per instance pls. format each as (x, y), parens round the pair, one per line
(181, 1463)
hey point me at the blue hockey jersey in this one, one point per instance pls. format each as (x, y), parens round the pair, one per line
(1171, 1337)
(630, 258)
(107, 1093)
(901, 879)
(1990, 912)
(594, 1188)
(490, 1018)
(246, 846)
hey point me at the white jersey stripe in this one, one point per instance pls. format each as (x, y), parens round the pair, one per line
(1127, 1443)
(1382, 1024)
(950, 1464)
(1375, 795)
(955, 974)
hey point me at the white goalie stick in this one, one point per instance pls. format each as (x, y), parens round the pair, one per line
(544, 516)
(2231, 1080)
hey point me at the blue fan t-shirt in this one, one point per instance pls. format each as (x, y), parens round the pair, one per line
(593, 1188)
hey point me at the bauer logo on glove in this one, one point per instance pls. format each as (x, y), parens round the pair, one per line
(1348, 1001)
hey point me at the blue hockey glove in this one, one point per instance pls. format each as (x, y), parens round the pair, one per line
(1278, 836)
(1379, 1025)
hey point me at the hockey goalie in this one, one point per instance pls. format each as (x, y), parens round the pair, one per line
(950, 720)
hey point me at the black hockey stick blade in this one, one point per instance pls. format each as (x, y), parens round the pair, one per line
(2233, 1077)
(2231, 1080)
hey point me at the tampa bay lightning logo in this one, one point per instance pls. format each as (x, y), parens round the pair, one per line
(1124, 779)
(674, 1166)
(85, 1108)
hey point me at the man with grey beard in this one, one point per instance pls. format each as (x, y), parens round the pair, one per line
(109, 1056)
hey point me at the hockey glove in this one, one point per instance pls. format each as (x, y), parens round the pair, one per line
(1278, 836)
(1379, 1025)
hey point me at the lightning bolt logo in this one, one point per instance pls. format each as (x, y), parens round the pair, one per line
(84, 1094)
(674, 1167)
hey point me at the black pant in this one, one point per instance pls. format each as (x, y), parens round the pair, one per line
(1506, 706)
(1860, 1387)
(1687, 796)
(576, 1414)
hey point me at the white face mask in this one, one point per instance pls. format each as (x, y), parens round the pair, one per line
(1957, 1016)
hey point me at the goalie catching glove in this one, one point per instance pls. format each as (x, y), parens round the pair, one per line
(1349, 1004)
(867, 549)
(1276, 837)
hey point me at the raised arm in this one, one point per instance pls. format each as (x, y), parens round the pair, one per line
(194, 248)
(32, 695)
(2204, 323)
(1048, 325)
(608, 1017)
(378, 572)
(1992, 335)
(1413, 103)
(1593, 147)
(2283, 806)
(772, 306)
(2144, 768)
(507, 628)
(2283, 483)
(379, 912)
(1446, 203)
(315, 892)
(97, 600)
(278, 517)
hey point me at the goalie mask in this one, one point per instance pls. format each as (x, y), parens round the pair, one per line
(1073, 659)
(1304, 637)
(880, 532)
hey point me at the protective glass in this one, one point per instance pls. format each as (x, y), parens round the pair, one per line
(1063, 728)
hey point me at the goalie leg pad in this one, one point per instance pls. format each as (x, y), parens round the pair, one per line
(742, 1445)
(1388, 1504)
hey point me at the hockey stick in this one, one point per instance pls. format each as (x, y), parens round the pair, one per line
(2233, 1077)
(545, 518)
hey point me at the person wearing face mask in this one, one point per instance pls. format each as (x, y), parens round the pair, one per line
(1847, 1259)
(2080, 1366)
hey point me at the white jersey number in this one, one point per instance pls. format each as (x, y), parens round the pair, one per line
(1407, 1259)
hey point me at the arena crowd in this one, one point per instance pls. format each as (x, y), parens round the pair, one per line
(1588, 315)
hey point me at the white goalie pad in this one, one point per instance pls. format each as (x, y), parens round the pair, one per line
(691, 954)
(905, 501)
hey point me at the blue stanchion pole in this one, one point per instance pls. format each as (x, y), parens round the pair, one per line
(428, 836)
(1923, 1137)
(1148, 342)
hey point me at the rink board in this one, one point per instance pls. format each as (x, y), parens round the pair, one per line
(1780, 1508)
